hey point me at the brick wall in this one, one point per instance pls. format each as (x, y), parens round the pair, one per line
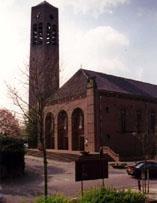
(128, 141)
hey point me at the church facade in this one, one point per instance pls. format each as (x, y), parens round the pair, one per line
(91, 109)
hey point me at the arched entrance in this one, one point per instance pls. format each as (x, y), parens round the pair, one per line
(62, 130)
(78, 130)
(49, 131)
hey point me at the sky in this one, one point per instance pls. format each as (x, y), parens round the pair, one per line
(117, 37)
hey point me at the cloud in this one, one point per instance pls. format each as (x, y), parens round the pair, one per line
(95, 7)
(7, 3)
(99, 49)
(14, 46)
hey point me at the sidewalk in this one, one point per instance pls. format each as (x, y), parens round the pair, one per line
(152, 194)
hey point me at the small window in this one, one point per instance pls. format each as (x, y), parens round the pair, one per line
(107, 109)
(123, 120)
(139, 119)
(37, 34)
(152, 121)
(51, 17)
(51, 34)
(48, 33)
(40, 33)
(54, 34)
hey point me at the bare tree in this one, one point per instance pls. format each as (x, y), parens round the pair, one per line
(33, 112)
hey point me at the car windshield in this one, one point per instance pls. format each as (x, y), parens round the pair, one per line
(139, 165)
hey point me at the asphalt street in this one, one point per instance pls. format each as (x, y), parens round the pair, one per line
(61, 179)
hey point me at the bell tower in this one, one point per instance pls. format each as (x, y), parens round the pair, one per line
(44, 52)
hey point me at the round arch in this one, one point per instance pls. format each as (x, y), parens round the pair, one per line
(49, 131)
(78, 130)
(62, 130)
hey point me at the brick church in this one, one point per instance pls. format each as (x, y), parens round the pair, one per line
(91, 109)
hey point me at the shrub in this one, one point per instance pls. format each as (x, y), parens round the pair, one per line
(104, 195)
(10, 144)
(11, 157)
(100, 195)
(53, 199)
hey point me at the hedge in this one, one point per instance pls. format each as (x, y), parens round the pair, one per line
(12, 153)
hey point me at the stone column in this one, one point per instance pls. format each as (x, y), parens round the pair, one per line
(56, 131)
(69, 132)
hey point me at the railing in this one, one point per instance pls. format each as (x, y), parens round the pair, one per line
(111, 153)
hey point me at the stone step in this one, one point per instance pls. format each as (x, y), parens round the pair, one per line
(62, 155)
(59, 156)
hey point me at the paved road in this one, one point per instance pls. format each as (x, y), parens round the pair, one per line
(61, 180)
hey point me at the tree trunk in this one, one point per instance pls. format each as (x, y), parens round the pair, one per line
(43, 143)
(45, 173)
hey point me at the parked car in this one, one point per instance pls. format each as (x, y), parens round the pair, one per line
(130, 168)
(119, 165)
(142, 169)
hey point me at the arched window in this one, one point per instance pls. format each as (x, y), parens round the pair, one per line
(77, 130)
(49, 131)
(62, 130)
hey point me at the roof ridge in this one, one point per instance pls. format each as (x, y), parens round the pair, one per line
(121, 77)
(73, 87)
(84, 73)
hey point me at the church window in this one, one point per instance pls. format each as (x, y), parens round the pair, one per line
(37, 37)
(49, 131)
(48, 33)
(107, 109)
(152, 121)
(123, 120)
(38, 16)
(51, 34)
(54, 34)
(51, 16)
(78, 130)
(40, 33)
(139, 119)
(62, 130)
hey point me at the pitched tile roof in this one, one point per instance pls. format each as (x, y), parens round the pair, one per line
(77, 86)
(74, 87)
(123, 85)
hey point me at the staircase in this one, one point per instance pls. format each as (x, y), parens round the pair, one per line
(68, 156)
(108, 151)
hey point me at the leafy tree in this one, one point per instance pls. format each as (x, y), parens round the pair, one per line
(8, 124)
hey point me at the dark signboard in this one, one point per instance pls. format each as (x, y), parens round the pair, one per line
(91, 168)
